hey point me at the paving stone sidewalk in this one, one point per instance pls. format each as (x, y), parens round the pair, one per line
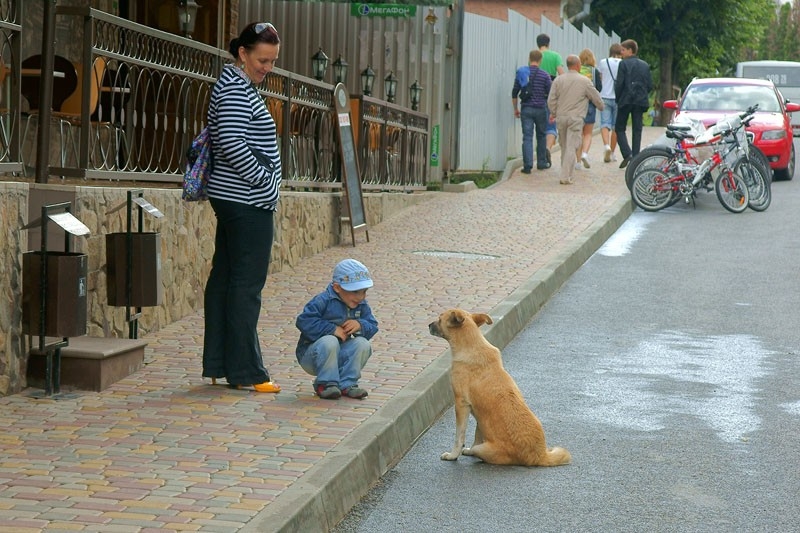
(162, 450)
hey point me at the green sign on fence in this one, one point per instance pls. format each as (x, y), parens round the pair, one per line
(435, 146)
(382, 10)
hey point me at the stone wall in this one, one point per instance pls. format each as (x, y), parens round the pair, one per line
(306, 223)
(13, 240)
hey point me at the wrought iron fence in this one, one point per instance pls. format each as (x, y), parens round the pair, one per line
(10, 31)
(145, 95)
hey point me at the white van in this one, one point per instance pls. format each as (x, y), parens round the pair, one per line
(784, 74)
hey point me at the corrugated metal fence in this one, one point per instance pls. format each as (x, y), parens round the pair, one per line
(492, 51)
(471, 111)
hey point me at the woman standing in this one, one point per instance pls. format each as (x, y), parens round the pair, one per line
(243, 191)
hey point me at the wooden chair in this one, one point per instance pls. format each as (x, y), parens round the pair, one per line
(30, 87)
(69, 115)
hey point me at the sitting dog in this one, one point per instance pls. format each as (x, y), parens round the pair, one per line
(507, 432)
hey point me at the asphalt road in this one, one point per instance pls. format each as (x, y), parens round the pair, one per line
(668, 365)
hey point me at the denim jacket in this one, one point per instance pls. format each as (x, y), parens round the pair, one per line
(324, 312)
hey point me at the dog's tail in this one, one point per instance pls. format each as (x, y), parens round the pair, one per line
(557, 456)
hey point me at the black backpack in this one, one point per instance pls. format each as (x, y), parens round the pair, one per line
(526, 91)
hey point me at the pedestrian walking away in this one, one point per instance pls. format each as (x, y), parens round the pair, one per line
(632, 90)
(608, 117)
(553, 65)
(529, 98)
(243, 190)
(588, 69)
(569, 100)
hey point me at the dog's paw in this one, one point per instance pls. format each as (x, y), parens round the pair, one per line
(467, 451)
(449, 456)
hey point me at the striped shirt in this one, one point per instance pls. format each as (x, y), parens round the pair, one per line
(541, 88)
(239, 122)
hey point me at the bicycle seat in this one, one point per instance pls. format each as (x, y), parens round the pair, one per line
(679, 134)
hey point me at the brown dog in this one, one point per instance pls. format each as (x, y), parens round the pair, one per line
(507, 432)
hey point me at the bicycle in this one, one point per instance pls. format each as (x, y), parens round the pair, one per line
(665, 174)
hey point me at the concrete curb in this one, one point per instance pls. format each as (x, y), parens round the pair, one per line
(325, 495)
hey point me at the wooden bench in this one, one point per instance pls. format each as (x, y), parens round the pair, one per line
(89, 363)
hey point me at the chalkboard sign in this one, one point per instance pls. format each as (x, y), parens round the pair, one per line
(351, 179)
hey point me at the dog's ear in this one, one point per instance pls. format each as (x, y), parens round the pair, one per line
(455, 320)
(481, 319)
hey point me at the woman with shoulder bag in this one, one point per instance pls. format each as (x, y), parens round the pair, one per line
(588, 69)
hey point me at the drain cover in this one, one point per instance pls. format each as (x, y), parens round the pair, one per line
(456, 255)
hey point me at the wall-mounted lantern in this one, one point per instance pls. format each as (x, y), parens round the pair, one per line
(390, 86)
(415, 92)
(340, 69)
(367, 80)
(187, 16)
(319, 64)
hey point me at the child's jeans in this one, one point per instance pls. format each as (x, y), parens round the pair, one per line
(333, 361)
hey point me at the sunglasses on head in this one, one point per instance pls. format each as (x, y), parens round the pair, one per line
(261, 27)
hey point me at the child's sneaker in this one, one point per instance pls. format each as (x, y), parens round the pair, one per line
(355, 392)
(327, 391)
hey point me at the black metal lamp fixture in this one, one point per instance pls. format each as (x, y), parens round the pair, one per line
(390, 86)
(367, 80)
(319, 64)
(187, 16)
(415, 92)
(340, 69)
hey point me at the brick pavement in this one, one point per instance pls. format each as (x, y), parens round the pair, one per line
(162, 450)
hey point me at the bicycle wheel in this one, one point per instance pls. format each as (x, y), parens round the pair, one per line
(650, 157)
(653, 190)
(758, 186)
(758, 157)
(732, 192)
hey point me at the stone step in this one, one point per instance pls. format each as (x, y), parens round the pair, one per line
(88, 363)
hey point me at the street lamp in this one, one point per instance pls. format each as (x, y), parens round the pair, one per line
(367, 80)
(415, 91)
(187, 16)
(319, 64)
(340, 69)
(390, 86)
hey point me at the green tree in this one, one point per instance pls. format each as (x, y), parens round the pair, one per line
(683, 39)
(782, 40)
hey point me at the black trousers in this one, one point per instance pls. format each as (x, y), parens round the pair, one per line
(242, 248)
(636, 113)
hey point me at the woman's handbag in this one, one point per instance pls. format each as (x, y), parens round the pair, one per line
(198, 168)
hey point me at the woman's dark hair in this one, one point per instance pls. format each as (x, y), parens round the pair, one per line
(252, 34)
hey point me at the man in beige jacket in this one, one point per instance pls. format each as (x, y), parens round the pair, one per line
(568, 101)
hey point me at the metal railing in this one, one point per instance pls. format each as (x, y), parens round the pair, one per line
(10, 33)
(146, 92)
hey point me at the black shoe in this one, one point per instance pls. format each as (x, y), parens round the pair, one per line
(549, 159)
(625, 162)
(526, 171)
(544, 167)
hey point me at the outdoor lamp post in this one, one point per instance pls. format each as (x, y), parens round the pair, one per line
(319, 64)
(367, 80)
(187, 16)
(340, 69)
(390, 86)
(415, 92)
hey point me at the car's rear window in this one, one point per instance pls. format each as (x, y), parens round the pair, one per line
(729, 98)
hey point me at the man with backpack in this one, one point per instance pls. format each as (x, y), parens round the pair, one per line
(632, 89)
(529, 98)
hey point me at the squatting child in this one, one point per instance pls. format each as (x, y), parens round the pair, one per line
(335, 327)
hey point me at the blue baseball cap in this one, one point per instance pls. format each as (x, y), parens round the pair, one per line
(352, 275)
